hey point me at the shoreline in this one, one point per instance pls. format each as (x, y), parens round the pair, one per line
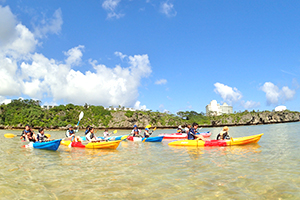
(162, 127)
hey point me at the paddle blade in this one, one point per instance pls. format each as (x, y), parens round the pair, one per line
(154, 129)
(81, 115)
(124, 137)
(47, 135)
(9, 135)
(115, 131)
(148, 126)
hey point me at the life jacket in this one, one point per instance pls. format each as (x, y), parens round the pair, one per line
(224, 136)
(70, 132)
(31, 134)
(191, 134)
(40, 137)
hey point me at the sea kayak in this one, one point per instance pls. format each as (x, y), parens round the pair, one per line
(231, 142)
(149, 139)
(103, 145)
(175, 136)
(51, 145)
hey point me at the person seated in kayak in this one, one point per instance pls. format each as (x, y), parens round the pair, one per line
(192, 134)
(146, 133)
(106, 134)
(28, 134)
(179, 129)
(136, 131)
(223, 135)
(41, 137)
(187, 129)
(71, 134)
(90, 136)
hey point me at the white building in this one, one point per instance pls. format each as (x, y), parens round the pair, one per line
(213, 108)
(47, 107)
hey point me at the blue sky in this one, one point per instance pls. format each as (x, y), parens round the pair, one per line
(160, 55)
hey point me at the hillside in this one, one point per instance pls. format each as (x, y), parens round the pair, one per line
(21, 112)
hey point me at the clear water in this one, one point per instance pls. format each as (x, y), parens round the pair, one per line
(267, 170)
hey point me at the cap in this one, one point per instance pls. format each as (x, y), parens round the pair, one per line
(147, 129)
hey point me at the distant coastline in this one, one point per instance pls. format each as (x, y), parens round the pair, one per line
(18, 113)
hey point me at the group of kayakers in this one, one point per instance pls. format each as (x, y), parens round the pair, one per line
(136, 132)
(192, 131)
(89, 134)
(29, 135)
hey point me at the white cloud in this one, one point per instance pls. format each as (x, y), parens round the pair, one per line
(161, 82)
(3, 100)
(227, 93)
(287, 93)
(121, 55)
(232, 96)
(168, 9)
(110, 6)
(250, 104)
(25, 72)
(74, 55)
(138, 106)
(52, 25)
(8, 23)
(274, 95)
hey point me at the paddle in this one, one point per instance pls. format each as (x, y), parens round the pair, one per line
(47, 135)
(80, 117)
(10, 135)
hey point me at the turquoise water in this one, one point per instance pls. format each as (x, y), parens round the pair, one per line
(135, 170)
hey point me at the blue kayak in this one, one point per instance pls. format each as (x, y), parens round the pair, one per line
(154, 139)
(51, 145)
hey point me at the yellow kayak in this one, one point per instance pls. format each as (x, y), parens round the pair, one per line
(65, 142)
(231, 142)
(103, 145)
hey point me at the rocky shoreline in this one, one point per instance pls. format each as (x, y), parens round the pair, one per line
(120, 121)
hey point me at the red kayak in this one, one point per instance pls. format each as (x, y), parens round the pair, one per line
(176, 136)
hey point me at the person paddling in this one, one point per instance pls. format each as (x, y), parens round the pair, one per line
(224, 135)
(90, 136)
(71, 134)
(28, 135)
(136, 131)
(192, 134)
(106, 134)
(146, 133)
(41, 137)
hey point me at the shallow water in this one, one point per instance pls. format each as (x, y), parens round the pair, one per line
(267, 170)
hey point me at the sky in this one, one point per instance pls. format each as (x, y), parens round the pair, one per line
(165, 55)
